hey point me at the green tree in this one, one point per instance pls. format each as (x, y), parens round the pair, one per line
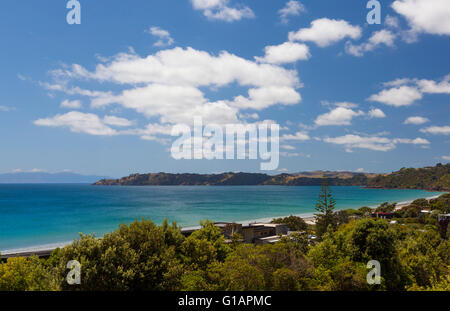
(325, 218)
(285, 279)
(139, 256)
(426, 257)
(204, 246)
(27, 274)
(386, 207)
(294, 223)
(374, 240)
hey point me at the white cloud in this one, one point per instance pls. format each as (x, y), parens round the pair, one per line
(416, 120)
(188, 66)
(397, 97)
(262, 98)
(446, 158)
(433, 87)
(299, 136)
(338, 116)
(381, 37)
(173, 104)
(325, 32)
(220, 10)
(287, 147)
(427, 16)
(288, 52)
(351, 141)
(166, 84)
(341, 104)
(117, 121)
(72, 104)
(34, 170)
(376, 143)
(442, 130)
(416, 141)
(376, 113)
(398, 82)
(405, 90)
(391, 22)
(294, 155)
(292, 8)
(78, 122)
(164, 36)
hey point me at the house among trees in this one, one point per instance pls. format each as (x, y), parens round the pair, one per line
(382, 215)
(257, 233)
(443, 221)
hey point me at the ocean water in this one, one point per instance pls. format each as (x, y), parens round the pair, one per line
(37, 215)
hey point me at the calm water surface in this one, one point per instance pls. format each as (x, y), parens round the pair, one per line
(32, 215)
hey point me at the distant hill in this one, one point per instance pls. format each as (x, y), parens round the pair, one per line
(429, 178)
(47, 178)
(236, 179)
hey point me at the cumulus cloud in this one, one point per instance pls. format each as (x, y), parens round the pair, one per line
(188, 66)
(164, 38)
(376, 113)
(446, 158)
(416, 120)
(376, 143)
(397, 97)
(78, 122)
(338, 116)
(117, 121)
(437, 130)
(433, 87)
(288, 52)
(299, 136)
(287, 147)
(167, 84)
(425, 16)
(220, 10)
(391, 22)
(378, 38)
(292, 8)
(261, 98)
(405, 91)
(325, 32)
(71, 104)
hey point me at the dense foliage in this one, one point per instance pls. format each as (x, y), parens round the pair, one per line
(293, 222)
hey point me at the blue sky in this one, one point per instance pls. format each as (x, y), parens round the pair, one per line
(102, 96)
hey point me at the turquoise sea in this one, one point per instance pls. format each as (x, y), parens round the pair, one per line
(37, 215)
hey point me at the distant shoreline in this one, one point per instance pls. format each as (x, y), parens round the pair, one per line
(309, 218)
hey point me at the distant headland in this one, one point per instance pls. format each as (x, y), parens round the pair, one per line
(436, 178)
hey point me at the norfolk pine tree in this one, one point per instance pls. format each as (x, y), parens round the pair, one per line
(325, 208)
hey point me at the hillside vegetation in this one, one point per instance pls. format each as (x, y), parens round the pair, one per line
(429, 178)
(234, 179)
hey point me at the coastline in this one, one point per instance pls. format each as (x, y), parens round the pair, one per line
(309, 218)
